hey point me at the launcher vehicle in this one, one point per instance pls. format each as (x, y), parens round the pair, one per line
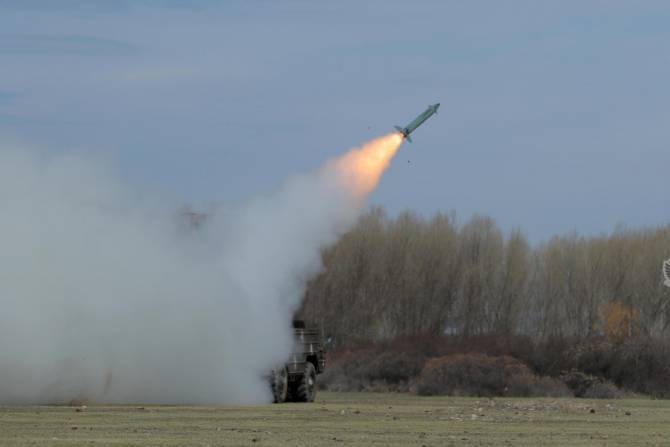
(295, 381)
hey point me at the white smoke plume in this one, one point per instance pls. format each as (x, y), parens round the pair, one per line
(104, 297)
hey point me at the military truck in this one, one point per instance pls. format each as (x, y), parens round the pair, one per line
(295, 380)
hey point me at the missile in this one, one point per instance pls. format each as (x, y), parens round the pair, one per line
(405, 131)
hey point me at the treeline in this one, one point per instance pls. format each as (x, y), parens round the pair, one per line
(409, 276)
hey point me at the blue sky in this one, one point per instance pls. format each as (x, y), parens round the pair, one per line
(555, 115)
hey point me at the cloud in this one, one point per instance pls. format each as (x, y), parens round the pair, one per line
(99, 6)
(7, 97)
(158, 73)
(65, 44)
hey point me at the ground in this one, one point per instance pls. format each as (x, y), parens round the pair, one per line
(341, 419)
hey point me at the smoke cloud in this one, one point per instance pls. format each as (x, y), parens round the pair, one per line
(106, 296)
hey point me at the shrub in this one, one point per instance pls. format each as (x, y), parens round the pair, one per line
(480, 375)
(343, 371)
(371, 370)
(550, 387)
(395, 367)
(603, 390)
(641, 365)
(579, 382)
(591, 387)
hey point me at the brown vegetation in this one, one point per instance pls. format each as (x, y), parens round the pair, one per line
(483, 375)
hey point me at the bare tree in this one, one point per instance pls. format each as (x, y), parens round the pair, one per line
(409, 275)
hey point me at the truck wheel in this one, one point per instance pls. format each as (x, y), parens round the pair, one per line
(279, 384)
(306, 389)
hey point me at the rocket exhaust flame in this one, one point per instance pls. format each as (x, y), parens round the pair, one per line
(360, 169)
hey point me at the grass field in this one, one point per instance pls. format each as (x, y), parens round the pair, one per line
(340, 419)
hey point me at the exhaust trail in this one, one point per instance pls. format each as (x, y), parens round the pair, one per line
(104, 299)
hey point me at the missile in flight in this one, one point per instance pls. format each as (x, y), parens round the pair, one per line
(411, 127)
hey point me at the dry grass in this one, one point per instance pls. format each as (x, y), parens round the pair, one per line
(349, 419)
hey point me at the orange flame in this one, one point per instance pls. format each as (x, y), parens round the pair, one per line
(361, 168)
